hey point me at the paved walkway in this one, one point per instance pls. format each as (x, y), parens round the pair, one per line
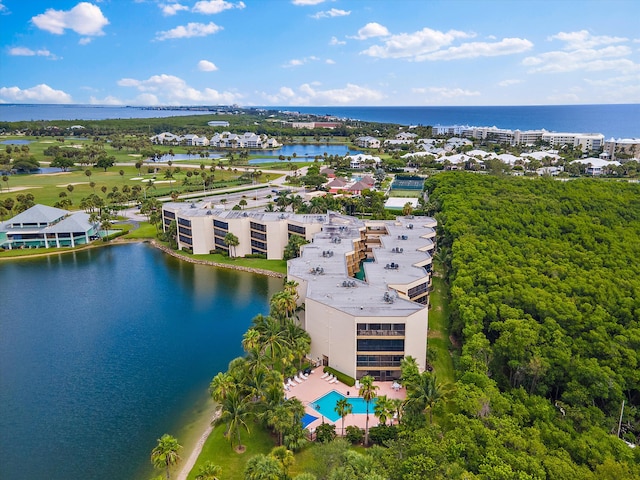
(315, 387)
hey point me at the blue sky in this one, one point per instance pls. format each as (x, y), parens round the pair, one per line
(320, 52)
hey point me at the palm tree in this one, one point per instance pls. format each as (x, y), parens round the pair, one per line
(343, 408)
(220, 386)
(285, 458)
(368, 393)
(426, 393)
(262, 467)
(236, 410)
(209, 471)
(165, 454)
(250, 340)
(398, 407)
(279, 418)
(283, 304)
(232, 242)
(383, 409)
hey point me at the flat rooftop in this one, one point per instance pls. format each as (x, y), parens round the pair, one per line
(323, 265)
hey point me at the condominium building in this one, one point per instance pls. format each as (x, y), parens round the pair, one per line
(365, 288)
(364, 283)
(622, 148)
(202, 228)
(586, 141)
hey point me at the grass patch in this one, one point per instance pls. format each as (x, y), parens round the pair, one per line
(218, 450)
(145, 230)
(440, 347)
(405, 193)
(28, 252)
(278, 266)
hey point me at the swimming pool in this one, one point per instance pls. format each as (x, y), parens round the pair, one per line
(326, 405)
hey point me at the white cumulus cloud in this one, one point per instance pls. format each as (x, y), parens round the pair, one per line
(416, 44)
(108, 100)
(561, 61)
(430, 44)
(506, 46)
(170, 9)
(207, 66)
(42, 93)
(446, 92)
(307, 2)
(508, 82)
(586, 52)
(335, 41)
(334, 12)
(311, 94)
(192, 29)
(27, 52)
(172, 90)
(211, 7)
(84, 19)
(370, 30)
(583, 39)
(297, 62)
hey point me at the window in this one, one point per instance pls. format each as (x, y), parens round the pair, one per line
(258, 226)
(222, 225)
(185, 231)
(184, 221)
(418, 290)
(375, 345)
(169, 214)
(184, 239)
(296, 229)
(259, 236)
(260, 245)
(379, 360)
(381, 329)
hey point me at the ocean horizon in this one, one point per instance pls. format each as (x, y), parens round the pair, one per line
(612, 120)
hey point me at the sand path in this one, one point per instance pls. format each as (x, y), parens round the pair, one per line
(197, 449)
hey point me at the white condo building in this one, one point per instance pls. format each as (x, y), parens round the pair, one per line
(364, 283)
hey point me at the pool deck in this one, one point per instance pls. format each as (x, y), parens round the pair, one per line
(315, 387)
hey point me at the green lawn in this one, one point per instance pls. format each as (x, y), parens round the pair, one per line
(47, 187)
(405, 193)
(440, 347)
(146, 230)
(278, 266)
(218, 450)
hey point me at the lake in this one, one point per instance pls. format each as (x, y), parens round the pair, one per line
(102, 351)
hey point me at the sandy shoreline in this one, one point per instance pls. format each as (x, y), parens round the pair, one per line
(188, 465)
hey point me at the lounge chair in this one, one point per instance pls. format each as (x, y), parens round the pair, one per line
(325, 375)
(335, 380)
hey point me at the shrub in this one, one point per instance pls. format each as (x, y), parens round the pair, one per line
(325, 433)
(354, 435)
(382, 433)
(343, 377)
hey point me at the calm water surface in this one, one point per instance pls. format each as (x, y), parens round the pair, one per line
(103, 351)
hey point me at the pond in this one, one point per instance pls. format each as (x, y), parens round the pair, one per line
(112, 348)
(15, 142)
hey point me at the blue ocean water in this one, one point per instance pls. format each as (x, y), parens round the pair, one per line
(14, 112)
(103, 351)
(617, 120)
(610, 120)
